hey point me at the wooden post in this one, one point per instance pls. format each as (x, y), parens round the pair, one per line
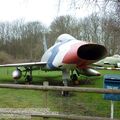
(46, 83)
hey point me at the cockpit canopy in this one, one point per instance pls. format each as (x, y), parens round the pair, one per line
(64, 38)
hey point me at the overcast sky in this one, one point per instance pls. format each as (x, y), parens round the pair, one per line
(38, 10)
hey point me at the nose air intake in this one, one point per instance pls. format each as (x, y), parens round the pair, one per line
(91, 52)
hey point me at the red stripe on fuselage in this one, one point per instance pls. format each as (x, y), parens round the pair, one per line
(71, 56)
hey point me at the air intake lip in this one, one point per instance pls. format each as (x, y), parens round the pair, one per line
(92, 51)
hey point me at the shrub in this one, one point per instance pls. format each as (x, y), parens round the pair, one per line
(5, 58)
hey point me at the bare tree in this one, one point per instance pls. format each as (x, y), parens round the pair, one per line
(111, 35)
(21, 40)
(65, 24)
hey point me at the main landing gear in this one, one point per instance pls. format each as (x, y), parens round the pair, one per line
(65, 78)
(28, 75)
(74, 77)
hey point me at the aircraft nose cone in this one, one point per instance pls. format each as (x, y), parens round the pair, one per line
(86, 52)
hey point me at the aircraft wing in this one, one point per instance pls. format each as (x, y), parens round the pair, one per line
(28, 67)
(30, 64)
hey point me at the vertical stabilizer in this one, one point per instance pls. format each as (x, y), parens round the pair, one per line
(44, 42)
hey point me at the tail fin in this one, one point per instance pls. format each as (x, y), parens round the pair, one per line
(44, 42)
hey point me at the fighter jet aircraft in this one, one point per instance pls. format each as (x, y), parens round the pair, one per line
(67, 54)
(111, 61)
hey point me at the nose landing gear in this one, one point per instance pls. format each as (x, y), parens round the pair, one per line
(74, 79)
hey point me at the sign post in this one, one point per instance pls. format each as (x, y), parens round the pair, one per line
(112, 109)
(112, 81)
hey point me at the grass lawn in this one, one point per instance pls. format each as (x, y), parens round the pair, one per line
(77, 103)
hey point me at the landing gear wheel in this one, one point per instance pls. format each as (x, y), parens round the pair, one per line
(74, 79)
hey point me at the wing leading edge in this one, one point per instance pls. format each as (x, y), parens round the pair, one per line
(24, 64)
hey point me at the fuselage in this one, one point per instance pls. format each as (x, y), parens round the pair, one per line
(70, 52)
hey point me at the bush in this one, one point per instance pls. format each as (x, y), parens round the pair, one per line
(5, 58)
